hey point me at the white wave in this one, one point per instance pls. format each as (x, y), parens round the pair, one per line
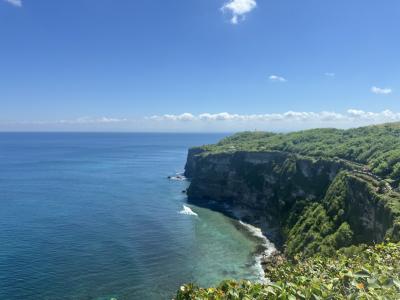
(268, 246)
(255, 231)
(187, 211)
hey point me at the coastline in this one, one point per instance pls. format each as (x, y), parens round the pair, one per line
(255, 227)
(246, 220)
(264, 252)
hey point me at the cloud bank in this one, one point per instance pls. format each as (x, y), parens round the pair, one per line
(290, 120)
(351, 115)
(17, 3)
(211, 122)
(239, 9)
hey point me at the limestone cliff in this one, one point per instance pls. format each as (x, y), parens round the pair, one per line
(315, 203)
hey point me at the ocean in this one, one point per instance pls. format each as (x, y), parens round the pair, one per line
(94, 216)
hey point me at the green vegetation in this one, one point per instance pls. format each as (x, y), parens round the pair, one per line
(349, 183)
(339, 219)
(378, 147)
(353, 273)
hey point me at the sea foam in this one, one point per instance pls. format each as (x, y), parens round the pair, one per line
(257, 232)
(187, 211)
(268, 246)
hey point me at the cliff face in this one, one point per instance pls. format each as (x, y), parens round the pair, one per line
(311, 201)
(365, 210)
(270, 182)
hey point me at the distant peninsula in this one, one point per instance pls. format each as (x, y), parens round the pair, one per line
(328, 198)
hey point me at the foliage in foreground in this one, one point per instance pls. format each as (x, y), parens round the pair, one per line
(353, 273)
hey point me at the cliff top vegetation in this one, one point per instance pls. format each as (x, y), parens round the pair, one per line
(376, 147)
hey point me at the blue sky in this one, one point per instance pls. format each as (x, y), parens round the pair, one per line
(176, 65)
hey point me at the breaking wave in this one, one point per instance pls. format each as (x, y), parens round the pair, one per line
(187, 211)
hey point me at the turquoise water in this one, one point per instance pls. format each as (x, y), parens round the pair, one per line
(93, 216)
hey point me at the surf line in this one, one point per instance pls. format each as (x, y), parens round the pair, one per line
(268, 249)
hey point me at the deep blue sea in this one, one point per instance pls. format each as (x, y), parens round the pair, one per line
(93, 216)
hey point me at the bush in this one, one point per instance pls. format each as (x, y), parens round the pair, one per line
(353, 273)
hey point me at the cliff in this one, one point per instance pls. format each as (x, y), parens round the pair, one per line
(325, 194)
(313, 203)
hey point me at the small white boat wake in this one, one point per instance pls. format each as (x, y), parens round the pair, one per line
(187, 211)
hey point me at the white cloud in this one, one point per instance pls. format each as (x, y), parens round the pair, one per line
(17, 3)
(330, 74)
(276, 78)
(381, 91)
(383, 116)
(181, 117)
(239, 8)
(351, 115)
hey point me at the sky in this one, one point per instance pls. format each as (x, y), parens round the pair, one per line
(198, 65)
